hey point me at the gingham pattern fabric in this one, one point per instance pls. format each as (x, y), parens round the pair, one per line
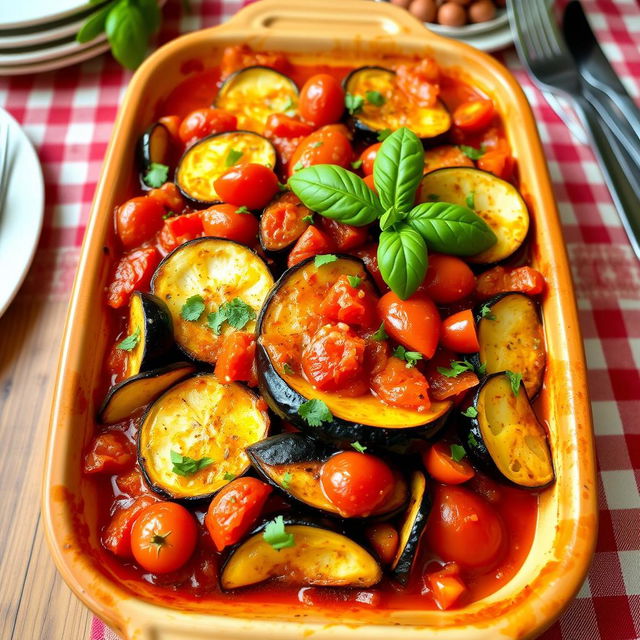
(69, 114)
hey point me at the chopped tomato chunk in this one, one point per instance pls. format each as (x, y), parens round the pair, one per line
(235, 359)
(132, 483)
(133, 272)
(420, 82)
(446, 588)
(443, 387)
(369, 255)
(344, 236)
(402, 386)
(110, 452)
(280, 125)
(312, 242)
(499, 280)
(498, 162)
(352, 305)
(169, 196)
(445, 156)
(180, 229)
(117, 535)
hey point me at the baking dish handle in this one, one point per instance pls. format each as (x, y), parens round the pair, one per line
(346, 16)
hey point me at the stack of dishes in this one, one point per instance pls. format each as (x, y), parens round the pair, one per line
(40, 35)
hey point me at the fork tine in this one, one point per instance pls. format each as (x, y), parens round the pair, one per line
(518, 15)
(4, 157)
(546, 26)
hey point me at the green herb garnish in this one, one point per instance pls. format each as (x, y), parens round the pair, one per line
(485, 312)
(354, 281)
(193, 308)
(276, 535)
(287, 369)
(470, 412)
(232, 157)
(358, 447)
(229, 476)
(514, 379)
(286, 479)
(383, 135)
(410, 357)
(186, 466)
(472, 152)
(242, 209)
(325, 258)
(470, 200)
(455, 368)
(353, 103)
(356, 164)
(314, 412)
(308, 218)
(375, 98)
(236, 313)
(156, 175)
(380, 334)
(457, 452)
(130, 341)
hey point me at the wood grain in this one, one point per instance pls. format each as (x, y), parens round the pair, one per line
(35, 604)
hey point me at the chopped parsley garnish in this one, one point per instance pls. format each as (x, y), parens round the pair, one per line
(410, 357)
(456, 368)
(481, 369)
(470, 412)
(242, 209)
(282, 187)
(229, 476)
(325, 258)
(286, 480)
(232, 157)
(515, 379)
(314, 412)
(457, 452)
(193, 308)
(384, 134)
(485, 312)
(289, 104)
(317, 145)
(375, 98)
(470, 200)
(156, 175)
(286, 368)
(297, 166)
(354, 281)
(471, 440)
(356, 164)
(358, 447)
(276, 534)
(236, 312)
(380, 334)
(353, 103)
(130, 341)
(186, 466)
(308, 218)
(168, 215)
(472, 152)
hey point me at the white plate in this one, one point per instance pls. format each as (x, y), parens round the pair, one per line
(21, 14)
(41, 36)
(22, 213)
(53, 52)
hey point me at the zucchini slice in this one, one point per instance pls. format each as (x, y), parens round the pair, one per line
(412, 528)
(283, 222)
(150, 318)
(390, 108)
(291, 305)
(319, 556)
(254, 93)
(206, 160)
(135, 392)
(511, 338)
(505, 438)
(199, 418)
(154, 146)
(292, 463)
(496, 201)
(219, 271)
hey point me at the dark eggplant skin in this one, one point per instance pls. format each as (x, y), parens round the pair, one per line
(288, 448)
(144, 151)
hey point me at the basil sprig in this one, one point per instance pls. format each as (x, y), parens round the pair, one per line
(407, 231)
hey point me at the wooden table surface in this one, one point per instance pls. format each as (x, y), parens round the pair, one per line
(35, 603)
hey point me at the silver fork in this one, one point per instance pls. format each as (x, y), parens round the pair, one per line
(4, 162)
(544, 52)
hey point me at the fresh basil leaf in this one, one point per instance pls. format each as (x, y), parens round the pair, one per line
(402, 259)
(336, 193)
(390, 217)
(151, 14)
(383, 135)
(127, 34)
(450, 228)
(398, 168)
(94, 24)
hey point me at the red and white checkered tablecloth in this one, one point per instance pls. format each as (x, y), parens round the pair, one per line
(69, 114)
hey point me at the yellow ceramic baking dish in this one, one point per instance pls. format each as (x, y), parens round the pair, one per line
(567, 522)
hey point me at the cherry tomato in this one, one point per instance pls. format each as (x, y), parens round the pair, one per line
(280, 125)
(324, 146)
(368, 180)
(163, 537)
(234, 510)
(344, 236)
(352, 305)
(137, 220)
(204, 122)
(415, 322)
(110, 452)
(356, 483)
(368, 157)
(247, 185)
(235, 359)
(474, 115)
(401, 386)
(133, 272)
(312, 242)
(459, 333)
(448, 279)
(443, 468)
(180, 229)
(224, 221)
(499, 280)
(169, 196)
(117, 535)
(321, 100)
(333, 358)
(384, 539)
(465, 528)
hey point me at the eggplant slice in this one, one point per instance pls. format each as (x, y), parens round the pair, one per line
(149, 316)
(505, 438)
(219, 271)
(511, 338)
(291, 305)
(292, 463)
(391, 108)
(319, 556)
(200, 418)
(135, 392)
(154, 147)
(206, 160)
(254, 93)
(496, 201)
(412, 527)
(283, 222)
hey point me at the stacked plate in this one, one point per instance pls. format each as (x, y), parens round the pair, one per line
(40, 35)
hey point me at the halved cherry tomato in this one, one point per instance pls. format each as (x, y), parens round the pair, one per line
(499, 280)
(117, 535)
(284, 220)
(180, 229)
(224, 221)
(345, 236)
(500, 163)
(401, 386)
(280, 125)
(137, 220)
(169, 196)
(234, 510)
(333, 358)
(247, 185)
(205, 122)
(369, 255)
(446, 588)
(328, 145)
(110, 452)
(133, 272)
(356, 483)
(321, 100)
(235, 359)
(312, 242)
(474, 115)
(383, 537)
(448, 279)
(368, 180)
(415, 322)
(465, 528)
(163, 537)
(442, 387)
(368, 157)
(459, 333)
(351, 305)
(443, 468)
